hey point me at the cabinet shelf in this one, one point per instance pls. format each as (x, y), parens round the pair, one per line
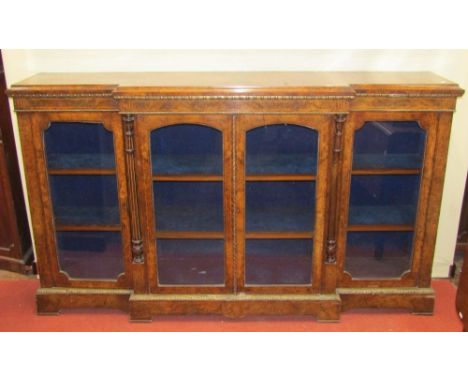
(87, 227)
(279, 235)
(188, 178)
(380, 227)
(80, 171)
(279, 177)
(188, 235)
(385, 171)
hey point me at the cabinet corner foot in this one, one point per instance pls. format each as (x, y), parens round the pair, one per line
(330, 314)
(46, 306)
(423, 306)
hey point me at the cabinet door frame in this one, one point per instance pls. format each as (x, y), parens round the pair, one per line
(144, 125)
(41, 203)
(428, 121)
(325, 126)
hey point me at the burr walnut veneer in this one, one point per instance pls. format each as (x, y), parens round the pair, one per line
(235, 193)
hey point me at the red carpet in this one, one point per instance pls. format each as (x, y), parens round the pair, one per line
(17, 313)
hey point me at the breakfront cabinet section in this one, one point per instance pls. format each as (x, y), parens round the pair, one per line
(389, 167)
(235, 193)
(392, 183)
(79, 199)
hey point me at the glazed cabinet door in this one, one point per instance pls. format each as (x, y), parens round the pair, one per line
(185, 178)
(76, 180)
(282, 166)
(388, 166)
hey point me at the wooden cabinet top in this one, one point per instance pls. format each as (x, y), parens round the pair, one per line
(345, 84)
(236, 92)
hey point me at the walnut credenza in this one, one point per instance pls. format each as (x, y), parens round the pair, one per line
(235, 193)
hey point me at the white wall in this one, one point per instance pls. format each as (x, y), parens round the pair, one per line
(450, 64)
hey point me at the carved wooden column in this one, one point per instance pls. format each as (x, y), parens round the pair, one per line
(334, 188)
(333, 213)
(138, 257)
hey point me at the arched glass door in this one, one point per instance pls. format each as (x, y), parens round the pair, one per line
(188, 200)
(281, 200)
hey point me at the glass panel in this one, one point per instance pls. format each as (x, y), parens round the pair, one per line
(84, 199)
(280, 206)
(79, 145)
(188, 206)
(190, 262)
(384, 199)
(278, 261)
(389, 144)
(90, 255)
(282, 149)
(372, 255)
(186, 149)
